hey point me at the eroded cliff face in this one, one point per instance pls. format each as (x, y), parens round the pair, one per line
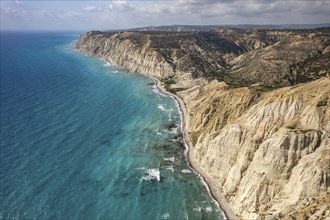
(266, 149)
(269, 154)
(127, 51)
(269, 58)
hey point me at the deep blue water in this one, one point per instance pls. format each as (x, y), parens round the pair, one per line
(82, 140)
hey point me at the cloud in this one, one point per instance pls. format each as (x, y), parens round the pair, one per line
(120, 3)
(119, 14)
(67, 16)
(236, 8)
(123, 14)
(73, 14)
(13, 13)
(44, 14)
(91, 8)
(118, 6)
(315, 7)
(123, 5)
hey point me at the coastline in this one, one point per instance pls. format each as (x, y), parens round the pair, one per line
(224, 208)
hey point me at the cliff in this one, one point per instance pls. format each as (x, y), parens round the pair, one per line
(270, 58)
(257, 103)
(269, 154)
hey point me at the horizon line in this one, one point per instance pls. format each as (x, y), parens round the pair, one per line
(324, 25)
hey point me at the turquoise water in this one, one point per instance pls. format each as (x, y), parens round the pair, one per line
(81, 139)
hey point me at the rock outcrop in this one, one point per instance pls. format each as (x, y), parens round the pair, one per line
(258, 109)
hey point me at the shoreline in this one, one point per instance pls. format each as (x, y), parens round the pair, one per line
(223, 206)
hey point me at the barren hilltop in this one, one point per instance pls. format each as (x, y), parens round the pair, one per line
(257, 109)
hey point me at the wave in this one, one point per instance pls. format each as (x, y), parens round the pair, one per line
(169, 117)
(208, 209)
(152, 174)
(161, 107)
(156, 90)
(165, 215)
(107, 64)
(197, 209)
(169, 159)
(185, 171)
(169, 168)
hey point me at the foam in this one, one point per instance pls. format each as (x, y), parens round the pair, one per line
(198, 209)
(107, 64)
(169, 168)
(172, 131)
(185, 171)
(161, 107)
(156, 90)
(169, 117)
(165, 215)
(152, 174)
(208, 209)
(169, 159)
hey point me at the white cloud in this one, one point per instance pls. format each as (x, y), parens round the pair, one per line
(91, 8)
(120, 3)
(44, 14)
(70, 15)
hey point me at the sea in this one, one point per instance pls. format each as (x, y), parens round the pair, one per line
(83, 139)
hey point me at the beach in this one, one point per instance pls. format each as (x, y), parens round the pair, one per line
(221, 202)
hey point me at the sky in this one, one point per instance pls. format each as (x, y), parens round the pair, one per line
(121, 14)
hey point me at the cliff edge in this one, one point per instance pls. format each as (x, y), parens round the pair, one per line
(257, 103)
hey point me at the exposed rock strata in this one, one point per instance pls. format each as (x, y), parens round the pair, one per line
(271, 157)
(266, 149)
